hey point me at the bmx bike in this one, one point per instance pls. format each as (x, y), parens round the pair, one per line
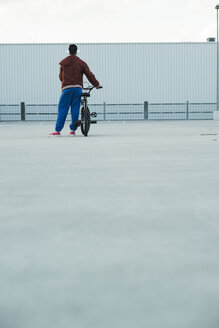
(85, 120)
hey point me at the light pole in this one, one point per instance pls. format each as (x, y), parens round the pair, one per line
(217, 7)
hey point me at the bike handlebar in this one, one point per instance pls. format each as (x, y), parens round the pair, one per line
(91, 88)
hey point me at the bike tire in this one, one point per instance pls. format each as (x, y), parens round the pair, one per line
(85, 121)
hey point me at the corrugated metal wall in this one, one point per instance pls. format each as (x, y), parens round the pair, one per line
(129, 72)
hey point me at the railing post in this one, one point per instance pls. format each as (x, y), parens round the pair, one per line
(22, 111)
(187, 110)
(104, 111)
(146, 110)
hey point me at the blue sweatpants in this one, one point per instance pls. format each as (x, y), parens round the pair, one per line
(69, 97)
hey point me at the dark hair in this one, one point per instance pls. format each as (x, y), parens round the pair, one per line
(73, 49)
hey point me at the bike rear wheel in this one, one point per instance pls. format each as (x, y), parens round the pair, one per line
(85, 120)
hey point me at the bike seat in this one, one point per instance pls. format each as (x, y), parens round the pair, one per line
(85, 94)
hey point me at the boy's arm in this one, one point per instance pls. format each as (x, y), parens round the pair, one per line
(60, 73)
(90, 76)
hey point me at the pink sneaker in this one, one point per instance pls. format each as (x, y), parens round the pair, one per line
(56, 133)
(72, 133)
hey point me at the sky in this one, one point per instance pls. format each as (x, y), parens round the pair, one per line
(85, 21)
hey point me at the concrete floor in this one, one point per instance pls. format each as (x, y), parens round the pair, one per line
(116, 230)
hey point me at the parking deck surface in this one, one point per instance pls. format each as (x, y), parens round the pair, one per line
(116, 230)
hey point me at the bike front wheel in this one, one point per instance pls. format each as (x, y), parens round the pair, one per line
(85, 120)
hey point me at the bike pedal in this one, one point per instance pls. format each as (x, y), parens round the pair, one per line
(93, 122)
(94, 114)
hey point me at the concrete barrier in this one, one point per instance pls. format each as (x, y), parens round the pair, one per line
(216, 115)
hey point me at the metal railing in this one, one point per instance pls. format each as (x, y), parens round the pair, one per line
(113, 112)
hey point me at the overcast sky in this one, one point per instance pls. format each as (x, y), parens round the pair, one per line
(67, 21)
